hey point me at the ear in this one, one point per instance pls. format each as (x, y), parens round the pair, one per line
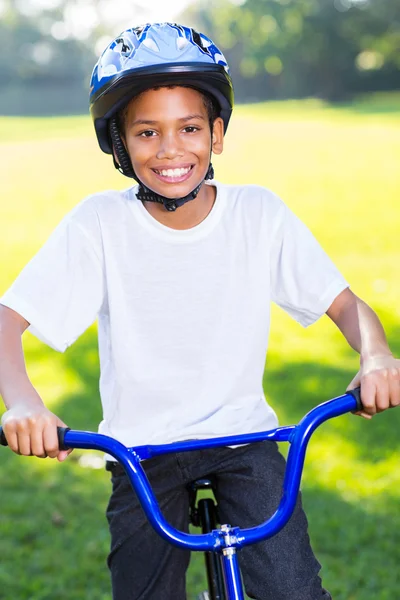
(217, 144)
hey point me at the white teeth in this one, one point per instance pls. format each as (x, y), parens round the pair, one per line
(174, 172)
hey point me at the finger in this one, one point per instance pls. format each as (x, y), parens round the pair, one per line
(363, 414)
(50, 440)
(37, 447)
(382, 392)
(394, 387)
(12, 439)
(24, 443)
(64, 454)
(368, 394)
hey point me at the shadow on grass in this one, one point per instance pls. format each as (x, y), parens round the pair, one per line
(359, 551)
(54, 538)
(389, 104)
(294, 389)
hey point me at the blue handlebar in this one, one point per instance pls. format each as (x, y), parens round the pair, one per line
(297, 435)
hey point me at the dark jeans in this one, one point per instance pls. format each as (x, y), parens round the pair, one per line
(249, 486)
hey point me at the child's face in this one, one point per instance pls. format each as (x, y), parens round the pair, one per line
(168, 138)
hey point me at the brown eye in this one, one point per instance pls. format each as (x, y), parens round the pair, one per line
(191, 129)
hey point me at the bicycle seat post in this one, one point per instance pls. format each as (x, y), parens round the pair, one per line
(204, 514)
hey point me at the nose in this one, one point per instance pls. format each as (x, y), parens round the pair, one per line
(170, 146)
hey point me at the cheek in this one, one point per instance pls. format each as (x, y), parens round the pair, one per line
(139, 153)
(199, 145)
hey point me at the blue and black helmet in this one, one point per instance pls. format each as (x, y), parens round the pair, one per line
(151, 55)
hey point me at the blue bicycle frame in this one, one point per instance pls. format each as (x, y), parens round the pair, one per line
(226, 540)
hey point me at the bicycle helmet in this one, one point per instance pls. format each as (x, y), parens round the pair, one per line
(149, 56)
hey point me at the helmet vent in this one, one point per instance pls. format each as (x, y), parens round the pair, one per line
(205, 42)
(181, 43)
(199, 40)
(138, 31)
(150, 43)
(123, 47)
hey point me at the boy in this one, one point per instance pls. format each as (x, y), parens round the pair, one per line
(180, 272)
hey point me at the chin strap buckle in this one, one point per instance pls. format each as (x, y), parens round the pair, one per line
(171, 204)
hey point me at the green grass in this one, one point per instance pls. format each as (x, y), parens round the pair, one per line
(17, 129)
(338, 168)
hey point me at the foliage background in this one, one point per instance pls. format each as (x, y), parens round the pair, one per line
(276, 48)
(283, 48)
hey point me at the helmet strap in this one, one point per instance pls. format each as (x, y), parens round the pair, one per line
(123, 164)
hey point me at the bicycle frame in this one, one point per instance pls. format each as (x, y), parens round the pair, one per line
(227, 540)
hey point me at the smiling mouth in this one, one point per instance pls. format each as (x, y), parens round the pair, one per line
(174, 175)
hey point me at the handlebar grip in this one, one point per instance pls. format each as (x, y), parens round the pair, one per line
(3, 441)
(61, 431)
(356, 393)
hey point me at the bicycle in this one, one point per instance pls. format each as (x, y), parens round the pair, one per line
(219, 544)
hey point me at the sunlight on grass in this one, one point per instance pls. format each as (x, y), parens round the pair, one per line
(16, 129)
(354, 479)
(50, 378)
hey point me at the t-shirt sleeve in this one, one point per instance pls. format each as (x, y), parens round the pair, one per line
(61, 290)
(304, 280)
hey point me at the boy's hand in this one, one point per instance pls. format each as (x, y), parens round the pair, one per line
(32, 431)
(379, 377)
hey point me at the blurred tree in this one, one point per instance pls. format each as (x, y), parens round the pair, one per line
(43, 69)
(292, 48)
(276, 48)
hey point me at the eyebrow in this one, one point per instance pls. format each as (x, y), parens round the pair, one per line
(183, 120)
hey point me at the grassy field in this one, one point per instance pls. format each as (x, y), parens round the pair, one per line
(338, 169)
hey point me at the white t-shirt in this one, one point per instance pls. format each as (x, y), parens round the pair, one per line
(183, 314)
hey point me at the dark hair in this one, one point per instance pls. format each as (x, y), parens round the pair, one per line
(210, 103)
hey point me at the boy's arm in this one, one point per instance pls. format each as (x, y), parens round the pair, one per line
(379, 374)
(30, 428)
